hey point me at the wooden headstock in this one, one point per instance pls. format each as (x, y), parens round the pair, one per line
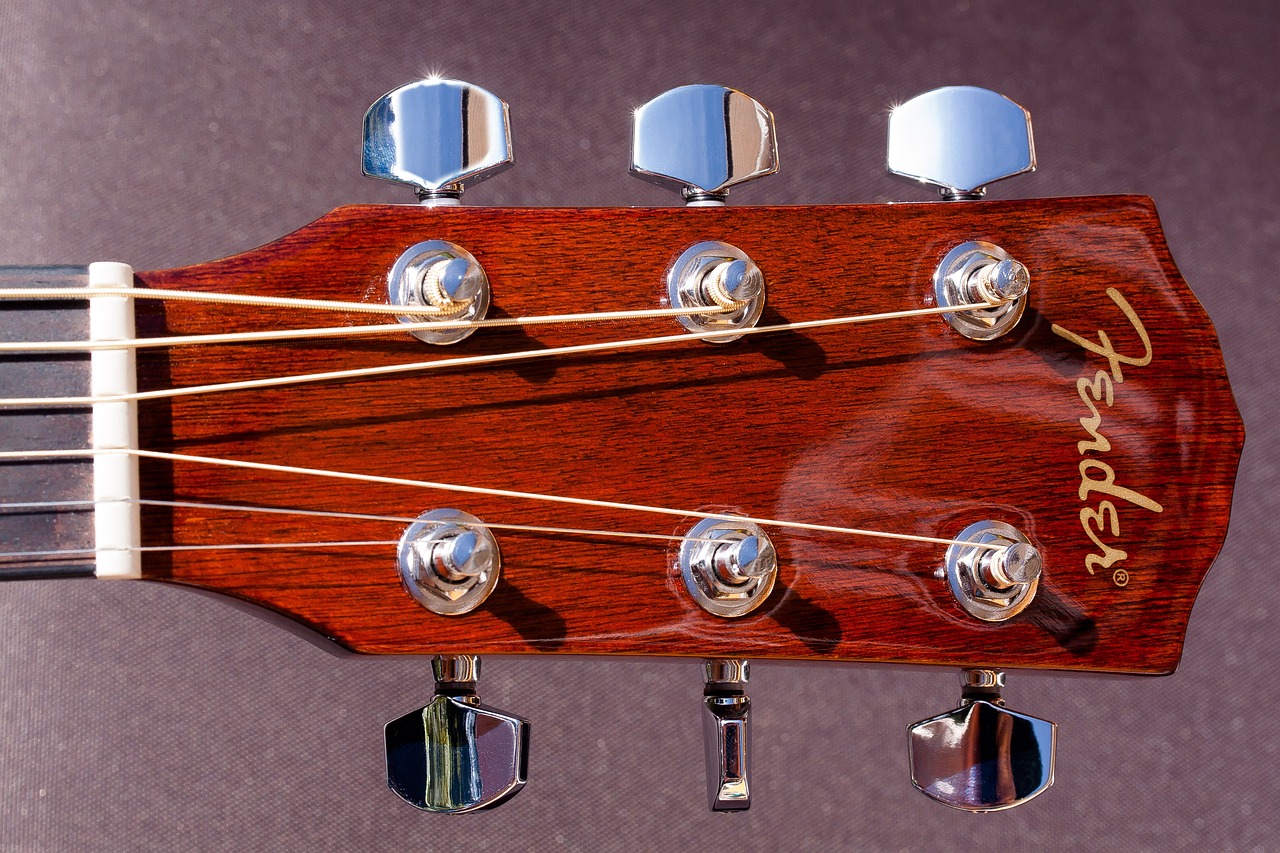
(1103, 427)
(982, 434)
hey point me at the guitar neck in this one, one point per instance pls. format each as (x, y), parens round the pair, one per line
(46, 506)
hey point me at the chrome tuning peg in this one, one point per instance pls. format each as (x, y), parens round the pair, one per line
(959, 139)
(982, 757)
(701, 140)
(456, 755)
(449, 561)
(726, 734)
(438, 136)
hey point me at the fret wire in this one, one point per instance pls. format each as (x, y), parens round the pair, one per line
(470, 361)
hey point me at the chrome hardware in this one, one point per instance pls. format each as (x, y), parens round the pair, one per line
(449, 561)
(993, 584)
(717, 275)
(982, 757)
(456, 755)
(442, 276)
(982, 272)
(456, 669)
(438, 136)
(726, 734)
(959, 139)
(728, 565)
(702, 140)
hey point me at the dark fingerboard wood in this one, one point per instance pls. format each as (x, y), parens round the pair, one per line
(46, 531)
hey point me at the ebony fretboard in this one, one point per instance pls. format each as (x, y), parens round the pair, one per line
(44, 541)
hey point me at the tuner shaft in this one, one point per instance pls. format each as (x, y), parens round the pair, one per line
(726, 734)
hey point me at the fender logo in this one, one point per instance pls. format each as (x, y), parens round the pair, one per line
(1096, 476)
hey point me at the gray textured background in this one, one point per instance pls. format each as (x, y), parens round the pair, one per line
(136, 717)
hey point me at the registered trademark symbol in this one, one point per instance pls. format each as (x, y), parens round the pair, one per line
(1121, 577)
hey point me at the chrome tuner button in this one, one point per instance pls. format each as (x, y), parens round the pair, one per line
(726, 734)
(977, 272)
(717, 276)
(996, 576)
(959, 139)
(456, 755)
(702, 140)
(728, 565)
(449, 561)
(438, 136)
(447, 283)
(982, 757)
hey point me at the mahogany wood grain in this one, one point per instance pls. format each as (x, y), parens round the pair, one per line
(903, 426)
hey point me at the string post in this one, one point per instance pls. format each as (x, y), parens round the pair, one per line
(1018, 563)
(977, 272)
(722, 287)
(739, 561)
(449, 561)
(728, 564)
(994, 570)
(731, 283)
(1002, 281)
(445, 278)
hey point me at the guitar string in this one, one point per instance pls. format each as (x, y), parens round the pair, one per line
(482, 490)
(151, 549)
(470, 361)
(322, 332)
(37, 293)
(360, 516)
(286, 334)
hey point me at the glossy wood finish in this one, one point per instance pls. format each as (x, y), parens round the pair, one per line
(901, 426)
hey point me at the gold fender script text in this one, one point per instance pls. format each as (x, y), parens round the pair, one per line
(1097, 478)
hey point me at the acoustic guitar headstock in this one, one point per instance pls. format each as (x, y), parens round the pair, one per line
(983, 434)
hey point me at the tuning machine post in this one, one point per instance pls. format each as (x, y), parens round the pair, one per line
(449, 561)
(454, 755)
(438, 136)
(981, 756)
(728, 567)
(959, 139)
(993, 570)
(700, 141)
